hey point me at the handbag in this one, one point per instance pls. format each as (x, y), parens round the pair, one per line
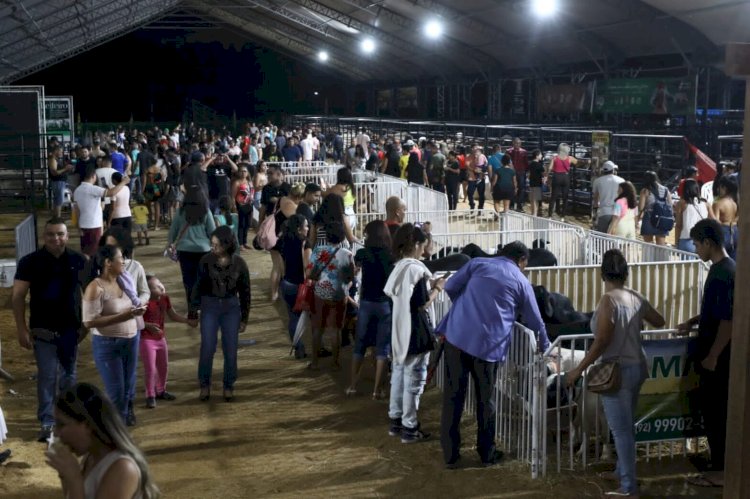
(267, 237)
(305, 301)
(605, 377)
(171, 250)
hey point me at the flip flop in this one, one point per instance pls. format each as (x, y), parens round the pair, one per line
(703, 481)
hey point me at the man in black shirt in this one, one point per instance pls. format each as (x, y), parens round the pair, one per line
(711, 350)
(194, 174)
(274, 190)
(52, 275)
(218, 174)
(311, 198)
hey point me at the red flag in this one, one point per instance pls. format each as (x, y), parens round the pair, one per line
(706, 166)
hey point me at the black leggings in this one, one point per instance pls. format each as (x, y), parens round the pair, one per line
(451, 189)
(244, 216)
(560, 188)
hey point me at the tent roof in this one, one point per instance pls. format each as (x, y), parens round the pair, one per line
(480, 37)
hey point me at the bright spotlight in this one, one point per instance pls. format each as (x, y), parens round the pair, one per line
(315, 93)
(544, 8)
(368, 46)
(322, 56)
(433, 29)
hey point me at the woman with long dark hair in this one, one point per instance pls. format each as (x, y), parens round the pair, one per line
(725, 210)
(651, 189)
(374, 313)
(617, 325)
(112, 465)
(331, 211)
(411, 330)
(295, 250)
(190, 234)
(344, 187)
(690, 210)
(286, 207)
(243, 195)
(110, 315)
(222, 294)
(332, 266)
(623, 221)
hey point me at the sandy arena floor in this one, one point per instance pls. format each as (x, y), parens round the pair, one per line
(289, 432)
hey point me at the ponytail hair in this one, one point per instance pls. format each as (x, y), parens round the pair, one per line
(406, 238)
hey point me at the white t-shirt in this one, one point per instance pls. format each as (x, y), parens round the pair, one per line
(122, 203)
(607, 186)
(707, 192)
(307, 148)
(88, 197)
(104, 177)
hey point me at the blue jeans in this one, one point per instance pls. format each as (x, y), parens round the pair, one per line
(56, 370)
(619, 407)
(135, 186)
(218, 313)
(116, 359)
(373, 329)
(686, 245)
(289, 294)
(407, 384)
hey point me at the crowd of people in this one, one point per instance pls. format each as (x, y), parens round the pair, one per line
(205, 186)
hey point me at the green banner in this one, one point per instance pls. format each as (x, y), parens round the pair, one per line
(661, 96)
(667, 406)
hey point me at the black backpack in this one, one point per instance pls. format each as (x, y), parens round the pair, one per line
(662, 214)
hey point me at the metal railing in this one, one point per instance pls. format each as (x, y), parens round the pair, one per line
(577, 415)
(674, 288)
(25, 237)
(635, 251)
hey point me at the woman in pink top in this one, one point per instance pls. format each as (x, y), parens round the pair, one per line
(110, 315)
(559, 173)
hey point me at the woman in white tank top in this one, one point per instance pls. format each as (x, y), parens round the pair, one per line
(691, 209)
(89, 426)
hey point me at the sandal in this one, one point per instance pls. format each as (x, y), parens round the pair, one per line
(378, 395)
(703, 481)
(350, 392)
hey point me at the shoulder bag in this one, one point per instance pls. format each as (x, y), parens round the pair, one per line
(305, 300)
(605, 376)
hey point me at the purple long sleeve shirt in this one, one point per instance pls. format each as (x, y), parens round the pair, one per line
(488, 294)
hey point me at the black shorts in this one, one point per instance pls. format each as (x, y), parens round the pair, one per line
(500, 193)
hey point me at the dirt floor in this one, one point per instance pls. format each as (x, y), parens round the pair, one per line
(288, 433)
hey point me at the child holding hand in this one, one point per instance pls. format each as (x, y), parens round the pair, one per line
(154, 342)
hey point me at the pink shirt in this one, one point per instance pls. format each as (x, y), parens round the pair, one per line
(560, 165)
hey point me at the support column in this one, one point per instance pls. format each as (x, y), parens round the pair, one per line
(737, 470)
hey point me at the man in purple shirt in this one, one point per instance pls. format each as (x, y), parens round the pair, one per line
(487, 294)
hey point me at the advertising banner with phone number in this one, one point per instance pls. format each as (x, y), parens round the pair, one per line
(667, 406)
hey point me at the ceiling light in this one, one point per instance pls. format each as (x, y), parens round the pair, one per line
(322, 56)
(544, 8)
(433, 29)
(315, 93)
(368, 46)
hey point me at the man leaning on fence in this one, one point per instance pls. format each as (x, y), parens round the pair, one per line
(51, 275)
(487, 294)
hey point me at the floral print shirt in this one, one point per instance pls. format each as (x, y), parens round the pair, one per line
(337, 271)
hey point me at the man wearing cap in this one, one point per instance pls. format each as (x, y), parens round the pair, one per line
(604, 191)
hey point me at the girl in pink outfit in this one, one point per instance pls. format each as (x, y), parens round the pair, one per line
(154, 342)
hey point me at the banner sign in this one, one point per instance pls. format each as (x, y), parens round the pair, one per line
(58, 116)
(563, 99)
(661, 96)
(667, 406)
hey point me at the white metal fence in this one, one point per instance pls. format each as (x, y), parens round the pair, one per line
(674, 288)
(634, 250)
(573, 418)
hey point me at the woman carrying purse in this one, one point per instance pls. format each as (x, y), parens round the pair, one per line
(295, 250)
(617, 348)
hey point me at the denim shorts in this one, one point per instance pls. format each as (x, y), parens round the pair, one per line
(58, 192)
(373, 329)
